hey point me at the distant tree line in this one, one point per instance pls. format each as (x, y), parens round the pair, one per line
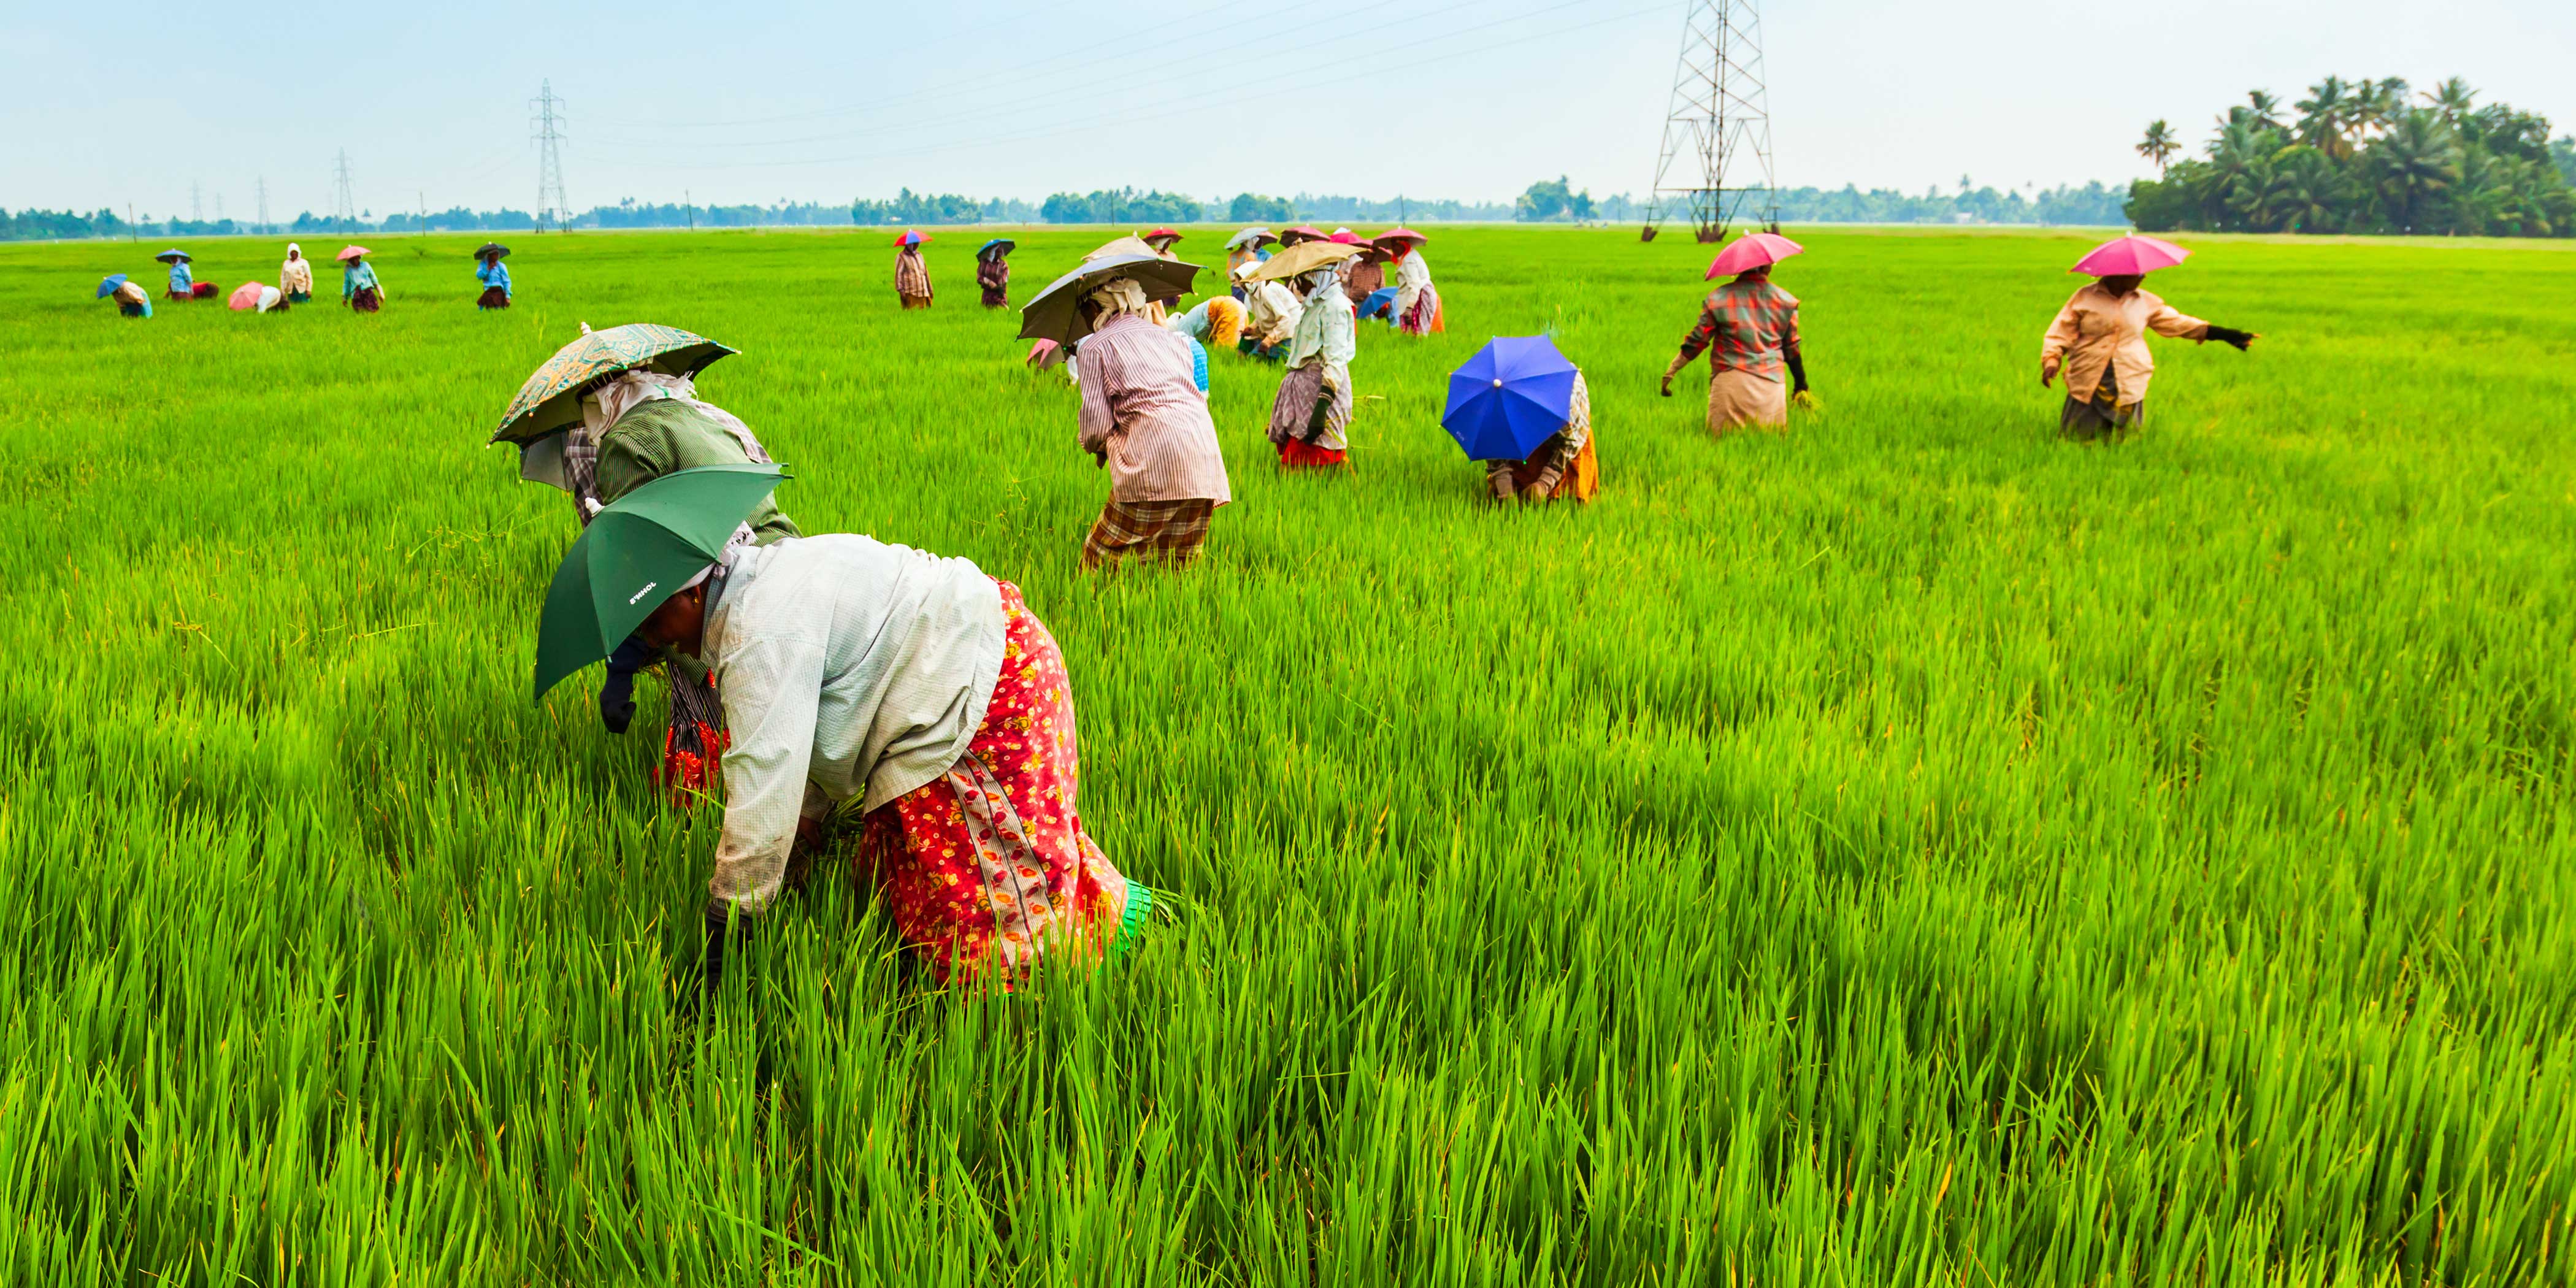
(2092, 204)
(2365, 157)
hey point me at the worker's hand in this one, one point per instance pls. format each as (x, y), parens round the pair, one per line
(1667, 389)
(2047, 372)
(1805, 401)
(1100, 458)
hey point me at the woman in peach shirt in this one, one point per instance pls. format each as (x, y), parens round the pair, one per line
(2099, 341)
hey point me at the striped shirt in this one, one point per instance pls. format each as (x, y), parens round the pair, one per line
(910, 277)
(1141, 404)
(1744, 326)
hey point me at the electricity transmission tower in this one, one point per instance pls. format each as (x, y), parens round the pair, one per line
(196, 203)
(551, 203)
(1716, 153)
(348, 211)
(263, 203)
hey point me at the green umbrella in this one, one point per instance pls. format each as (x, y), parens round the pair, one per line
(551, 399)
(637, 553)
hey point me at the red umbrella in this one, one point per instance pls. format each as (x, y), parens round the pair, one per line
(1162, 238)
(911, 238)
(348, 253)
(245, 297)
(1750, 251)
(1400, 235)
(1302, 233)
(2122, 256)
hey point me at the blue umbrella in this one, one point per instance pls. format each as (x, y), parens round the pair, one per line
(174, 253)
(108, 284)
(1005, 243)
(1509, 398)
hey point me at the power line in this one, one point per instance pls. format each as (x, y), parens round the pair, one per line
(551, 202)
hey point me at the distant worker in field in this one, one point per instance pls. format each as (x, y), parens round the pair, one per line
(359, 288)
(1270, 315)
(1522, 409)
(1417, 301)
(131, 299)
(1145, 419)
(1251, 246)
(993, 271)
(1162, 240)
(2099, 340)
(607, 414)
(1749, 329)
(182, 277)
(295, 276)
(1310, 419)
(911, 697)
(1216, 322)
(494, 275)
(1363, 277)
(911, 276)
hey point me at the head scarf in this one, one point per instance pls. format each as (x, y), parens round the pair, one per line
(1120, 295)
(1243, 272)
(293, 250)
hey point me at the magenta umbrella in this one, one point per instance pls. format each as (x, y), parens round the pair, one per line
(2123, 256)
(1751, 251)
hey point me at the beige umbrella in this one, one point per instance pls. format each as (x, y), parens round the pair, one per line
(1303, 258)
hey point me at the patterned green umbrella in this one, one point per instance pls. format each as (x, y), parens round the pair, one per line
(552, 397)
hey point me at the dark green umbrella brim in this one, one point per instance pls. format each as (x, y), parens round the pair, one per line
(488, 248)
(1056, 313)
(637, 553)
(551, 398)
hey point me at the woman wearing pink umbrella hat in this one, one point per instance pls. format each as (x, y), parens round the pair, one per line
(1749, 329)
(911, 276)
(2099, 339)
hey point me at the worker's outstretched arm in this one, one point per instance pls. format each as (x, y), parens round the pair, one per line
(1702, 335)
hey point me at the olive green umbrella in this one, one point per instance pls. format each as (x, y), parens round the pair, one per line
(637, 553)
(551, 399)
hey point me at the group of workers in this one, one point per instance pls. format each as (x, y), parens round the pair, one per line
(909, 713)
(360, 289)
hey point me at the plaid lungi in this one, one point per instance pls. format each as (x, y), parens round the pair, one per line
(1156, 531)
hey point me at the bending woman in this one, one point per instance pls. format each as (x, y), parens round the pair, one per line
(923, 699)
(1145, 418)
(1311, 415)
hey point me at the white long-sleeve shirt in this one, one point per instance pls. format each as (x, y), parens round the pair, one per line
(1411, 275)
(854, 667)
(1271, 313)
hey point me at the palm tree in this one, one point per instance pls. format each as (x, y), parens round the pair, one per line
(2306, 192)
(2267, 109)
(2415, 163)
(2325, 117)
(2159, 145)
(2452, 100)
(2383, 104)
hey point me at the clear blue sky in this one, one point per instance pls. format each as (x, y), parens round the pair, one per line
(804, 100)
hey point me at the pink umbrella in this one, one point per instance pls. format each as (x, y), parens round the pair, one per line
(2123, 256)
(244, 298)
(1344, 237)
(348, 253)
(1751, 251)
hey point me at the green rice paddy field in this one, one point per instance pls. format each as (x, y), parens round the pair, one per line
(1907, 849)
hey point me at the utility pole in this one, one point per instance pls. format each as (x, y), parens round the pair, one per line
(196, 204)
(424, 212)
(263, 203)
(348, 211)
(1720, 119)
(133, 230)
(551, 202)
(690, 200)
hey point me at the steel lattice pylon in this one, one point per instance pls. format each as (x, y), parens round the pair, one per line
(552, 206)
(1719, 128)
